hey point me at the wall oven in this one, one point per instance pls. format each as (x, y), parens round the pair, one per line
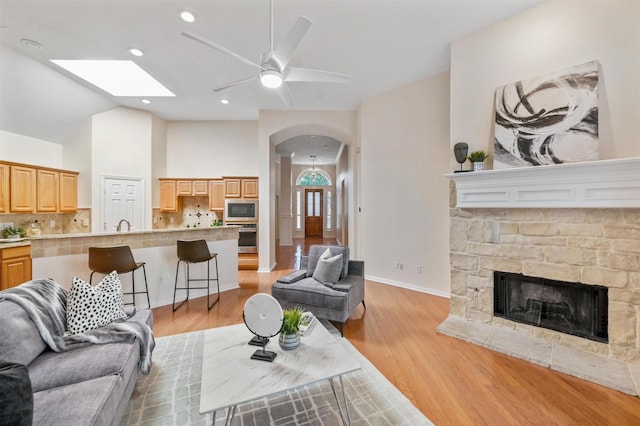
(247, 237)
(240, 210)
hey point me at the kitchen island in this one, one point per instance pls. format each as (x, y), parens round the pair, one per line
(64, 256)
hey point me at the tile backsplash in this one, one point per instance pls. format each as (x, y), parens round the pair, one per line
(195, 213)
(78, 222)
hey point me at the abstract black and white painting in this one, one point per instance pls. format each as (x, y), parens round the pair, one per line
(550, 119)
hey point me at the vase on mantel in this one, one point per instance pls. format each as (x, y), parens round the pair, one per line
(478, 166)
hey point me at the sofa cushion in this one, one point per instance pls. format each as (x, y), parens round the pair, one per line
(316, 251)
(92, 307)
(310, 292)
(94, 402)
(328, 270)
(20, 341)
(54, 369)
(17, 397)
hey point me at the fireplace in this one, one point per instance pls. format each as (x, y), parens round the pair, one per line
(572, 308)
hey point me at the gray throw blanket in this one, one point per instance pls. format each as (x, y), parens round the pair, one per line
(46, 303)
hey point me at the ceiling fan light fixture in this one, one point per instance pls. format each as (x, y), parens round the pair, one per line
(271, 79)
(187, 16)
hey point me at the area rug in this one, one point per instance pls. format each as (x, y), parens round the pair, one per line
(170, 394)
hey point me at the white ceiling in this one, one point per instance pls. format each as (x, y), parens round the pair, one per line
(382, 44)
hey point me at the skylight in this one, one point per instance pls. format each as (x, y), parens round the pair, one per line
(120, 78)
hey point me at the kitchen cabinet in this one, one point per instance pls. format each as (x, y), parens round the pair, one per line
(241, 187)
(68, 192)
(4, 188)
(22, 189)
(216, 195)
(27, 189)
(168, 195)
(192, 187)
(15, 266)
(47, 188)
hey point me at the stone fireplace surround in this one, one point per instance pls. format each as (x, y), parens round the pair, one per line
(594, 246)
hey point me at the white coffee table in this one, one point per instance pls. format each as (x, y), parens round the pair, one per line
(230, 377)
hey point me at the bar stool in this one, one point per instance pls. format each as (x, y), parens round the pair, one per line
(195, 252)
(106, 259)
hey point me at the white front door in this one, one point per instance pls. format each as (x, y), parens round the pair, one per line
(123, 199)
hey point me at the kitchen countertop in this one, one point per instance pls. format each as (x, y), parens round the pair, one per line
(22, 243)
(132, 233)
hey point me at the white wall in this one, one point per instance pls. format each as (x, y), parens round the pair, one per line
(121, 147)
(212, 148)
(551, 37)
(404, 137)
(158, 157)
(77, 156)
(24, 149)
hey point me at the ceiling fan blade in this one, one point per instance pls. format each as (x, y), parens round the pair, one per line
(219, 48)
(285, 94)
(233, 83)
(305, 74)
(290, 42)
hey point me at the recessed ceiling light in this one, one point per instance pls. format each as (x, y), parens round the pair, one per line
(187, 16)
(136, 52)
(32, 44)
(146, 101)
(224, 101)
(120, 78)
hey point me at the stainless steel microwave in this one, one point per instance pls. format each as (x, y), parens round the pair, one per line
(244, 210)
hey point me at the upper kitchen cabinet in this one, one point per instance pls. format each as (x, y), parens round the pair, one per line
(27, 189)
(241, 187)
(216, 194)
(22, 189)
(4, 188)
(68, 192)
(192, 187)
(168, 195)
(47, 190)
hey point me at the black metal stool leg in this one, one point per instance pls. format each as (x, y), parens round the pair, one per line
(146, 286)
(217, 282)
(133, 287)
(175, 288)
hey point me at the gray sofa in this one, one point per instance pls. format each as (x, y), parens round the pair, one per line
(90, 385)
(332, 301)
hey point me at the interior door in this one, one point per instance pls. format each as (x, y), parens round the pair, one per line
(313, 213)
(123, 199)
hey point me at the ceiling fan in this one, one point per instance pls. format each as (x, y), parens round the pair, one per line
(273, 66)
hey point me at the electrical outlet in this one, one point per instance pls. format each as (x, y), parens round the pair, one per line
(401, 267)
(170, 220)
(1, 226)
(52, 224)
(160, 280)
(418, 269)
(85, 222)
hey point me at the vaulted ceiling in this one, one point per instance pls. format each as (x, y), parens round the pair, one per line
(382, 44)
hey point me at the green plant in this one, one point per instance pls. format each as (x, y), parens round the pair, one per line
(477, 156)
(292, 319)
(14, 231)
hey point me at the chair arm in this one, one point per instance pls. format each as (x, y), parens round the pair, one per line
(356, 267)
(293, 277)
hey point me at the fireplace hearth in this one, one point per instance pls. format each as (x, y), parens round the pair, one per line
(572, 308)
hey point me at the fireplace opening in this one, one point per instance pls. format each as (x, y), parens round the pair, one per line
(572, 308)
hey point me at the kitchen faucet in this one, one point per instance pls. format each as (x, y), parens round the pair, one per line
(119, 228)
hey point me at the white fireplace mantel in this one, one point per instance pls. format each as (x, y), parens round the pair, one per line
(594, 184)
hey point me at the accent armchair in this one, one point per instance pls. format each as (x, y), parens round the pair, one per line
(328, 284)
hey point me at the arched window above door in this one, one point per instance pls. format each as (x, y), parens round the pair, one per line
(313, 177)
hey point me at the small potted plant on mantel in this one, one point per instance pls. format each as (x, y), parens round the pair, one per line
(289, 336)
(477, 159)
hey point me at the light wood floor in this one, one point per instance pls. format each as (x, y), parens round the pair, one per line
(451, 381)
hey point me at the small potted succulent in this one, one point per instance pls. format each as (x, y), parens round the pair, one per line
(14, 233)
(289, 336)
(477, 159)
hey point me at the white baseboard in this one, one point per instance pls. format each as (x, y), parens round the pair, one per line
(409, 286)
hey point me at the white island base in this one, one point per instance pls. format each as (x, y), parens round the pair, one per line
(62, 257)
